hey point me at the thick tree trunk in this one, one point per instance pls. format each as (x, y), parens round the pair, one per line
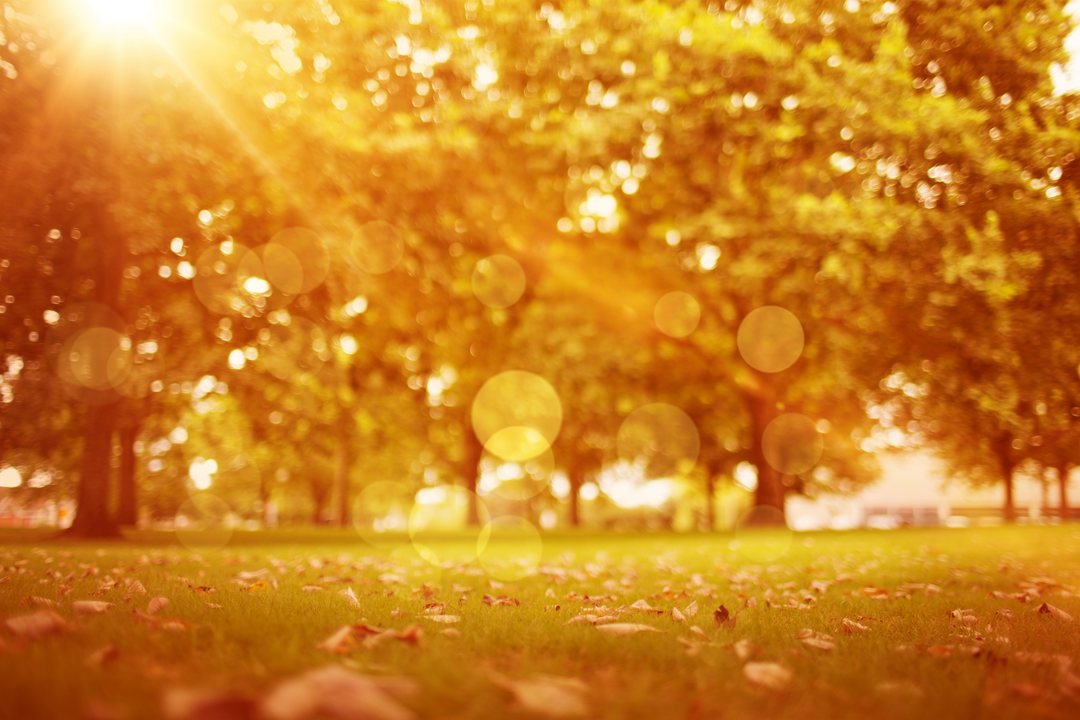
(342, 463)
(474, 451)
(710, 496)
(770, 489)
(577, 479)
(1063, 482)
(92, 517)
(127, 512)
(1002, 448)
(318, 498)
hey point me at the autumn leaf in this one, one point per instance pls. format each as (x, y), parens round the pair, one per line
(723, 618)
(337, 693)
(621, 629)
(1055, 613)
(744, 649)
(36, 624)
(546, 695)
(770, 675)
(340, 642)
(306, 588)
(257, 587)
(643, 606)
(212, 606)
(813, 639)
(850, 627)
(201, 589)
(691, 609)
(102, 656)
(156, 605)
(39, 602)
(442, 618)
(90, 607)
(677, 616)
(350, 596)
(135, 588)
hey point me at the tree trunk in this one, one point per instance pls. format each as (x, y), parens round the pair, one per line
(341, 481)
(1063, 482)
(318, 498)
(710, 497)
(770, 491)
(474, 451)
(92, 515)
(577, 479)
(127, 513)
(1002, 447)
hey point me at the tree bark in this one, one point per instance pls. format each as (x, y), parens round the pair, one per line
(92, 517)
(577, 479)
(474, 451)
(1063, 482)
(770, 490)
(127, 512)
(1002, 448)
(710, 497)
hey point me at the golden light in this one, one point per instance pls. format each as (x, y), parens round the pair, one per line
(119, 13)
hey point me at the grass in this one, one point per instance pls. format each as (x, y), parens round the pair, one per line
(261, 636)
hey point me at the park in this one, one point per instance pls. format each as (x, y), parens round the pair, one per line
(399, 359)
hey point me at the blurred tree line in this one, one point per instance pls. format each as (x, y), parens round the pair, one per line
(298, 237)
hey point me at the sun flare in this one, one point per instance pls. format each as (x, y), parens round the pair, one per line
(119, 13)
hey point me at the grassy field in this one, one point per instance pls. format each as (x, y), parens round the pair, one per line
(249, 651)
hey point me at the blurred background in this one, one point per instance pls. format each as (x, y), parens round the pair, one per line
(413, 266)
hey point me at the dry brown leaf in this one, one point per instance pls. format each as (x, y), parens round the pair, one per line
(213, 606)
(36, 624)
(39, 602)
(102, 656)
(677, 616)
(813, 639)
(257, 587)
(744, 649)
(723, 618)
(337, 693)
(1056, 613)
(545, 695)
(135, 588)
(447, 619)
(156, 605)
(621, 629)
(350, 596)
(770, 675)
(90, 607)
(643, 606)
(340, 642)
(699, 632)
(691, 609)
(193, 704)
(309, 588)
(202, 589)
(851, 627)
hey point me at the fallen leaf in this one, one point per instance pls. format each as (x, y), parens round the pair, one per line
(39, 602)
(621, 629)
(136, 588)
(1056, 613)
(813, 639)
(449, 619)
(193, 704)
(723, 618)
(677, 616)
(36, 624)
(767, 675)
(338, 693)
(90, 607)
(850, 627)
(545, 695)
(306, 588)
(257, 587)
(744, 649)
(699, 632)
(691, 609)
(212, 606)
(102, 655)
(156, 605)
(350, 596)
(340, 642)
(201, 589)
(643, 606)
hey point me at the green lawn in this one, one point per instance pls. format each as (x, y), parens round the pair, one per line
(902, 586)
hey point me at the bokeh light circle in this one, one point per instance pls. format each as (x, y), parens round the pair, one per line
(661, 436)
(306, 247)
(377, 247)
(204, 522)
(516, 415)
(762, 535)
(770, 339)
(381, 513)
(222, 275)
(792, 444)
(514, 480)
(89, 352)
(498, 281)
(438, 525)
(677, 314)
(513, 550)
(288, 350)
